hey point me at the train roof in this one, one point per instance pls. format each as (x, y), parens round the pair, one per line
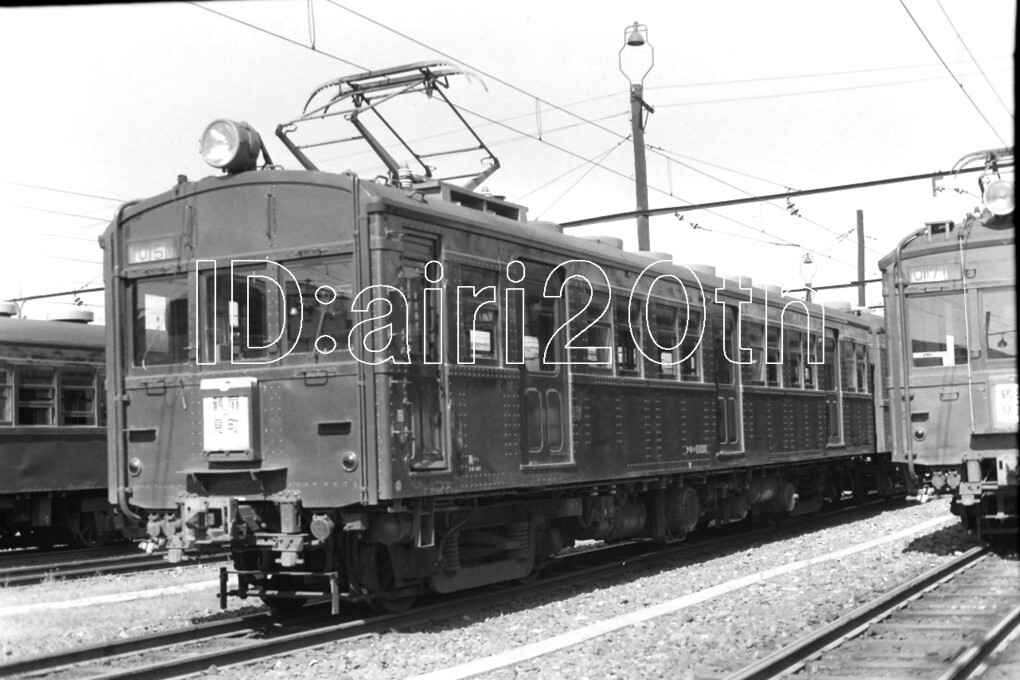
(452, 205)
(977, 231)
(56, 334)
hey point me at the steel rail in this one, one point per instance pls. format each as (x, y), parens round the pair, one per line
(967, 663)
(117, 564)
(790, 657)
(617, 560)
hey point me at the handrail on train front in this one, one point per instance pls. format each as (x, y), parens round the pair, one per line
(115, 371)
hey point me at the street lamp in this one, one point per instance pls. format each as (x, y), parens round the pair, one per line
(636, 36)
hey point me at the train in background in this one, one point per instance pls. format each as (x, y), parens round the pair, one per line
(950, 301)
(369, 390)
(53, 432)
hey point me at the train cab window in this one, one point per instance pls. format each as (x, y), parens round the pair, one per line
(541, 350)
(591, 332)
(661, 342)
(628, 361)
(753, 337)
(690, 341)
(36, 391)
(236, 319)
(318, 313)
(998, 316)
(793, 365)
(937, 329)
(475, 318)
(774, 356)
(6, 376)
(77, 397)
(160, 322)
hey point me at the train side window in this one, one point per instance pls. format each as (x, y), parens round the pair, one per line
(36, 392)
(160, 321)
(77, 397)
(628, 362)
(773, 365)
(690, 368)
(828, 373)
(937, 329)
(793, 366)
(323, 307)
(101, 384)
(591, 329)
(541, 349)
(662, 343)
(753, 337)
(811, 368)
(474, 327)
(861, 366)
(848, 360)
(998, 308)
(6, 378)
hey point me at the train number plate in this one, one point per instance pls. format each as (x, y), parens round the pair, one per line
(226, 423)
(1005, 404)
(152, 250)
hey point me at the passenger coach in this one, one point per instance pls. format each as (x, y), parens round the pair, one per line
(52, 432)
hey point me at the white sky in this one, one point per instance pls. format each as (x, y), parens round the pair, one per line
(109, 101)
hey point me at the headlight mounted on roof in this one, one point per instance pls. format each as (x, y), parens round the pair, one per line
(1000, 196)
(230, 146)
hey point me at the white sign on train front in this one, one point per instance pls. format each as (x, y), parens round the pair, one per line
(226, 423)
(1006, 404)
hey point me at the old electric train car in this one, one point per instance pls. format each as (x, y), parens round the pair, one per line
(52, 431)
(371, 389)
(951, 310)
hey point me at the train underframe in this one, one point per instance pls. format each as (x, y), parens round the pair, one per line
(390, 554)
(984, 493)
(45, 519)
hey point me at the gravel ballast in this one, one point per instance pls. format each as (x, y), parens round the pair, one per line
(704, 640)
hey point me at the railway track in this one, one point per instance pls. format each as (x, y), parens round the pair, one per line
(222, 643)
(943, 624)
(85, 564)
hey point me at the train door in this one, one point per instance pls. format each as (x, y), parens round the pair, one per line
(545, 401)
(425, 386)
(830, 384)
(729, 420)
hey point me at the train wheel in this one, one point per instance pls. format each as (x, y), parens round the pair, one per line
(87, 529)
(379, 579)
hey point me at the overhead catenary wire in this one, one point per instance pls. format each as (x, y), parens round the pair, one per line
(502, 124)
(614, 217)
(62, 191)
(529, 95)
(983, 75)
(957, 80)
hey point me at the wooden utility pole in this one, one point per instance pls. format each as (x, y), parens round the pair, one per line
(637, 104)
(860, 259)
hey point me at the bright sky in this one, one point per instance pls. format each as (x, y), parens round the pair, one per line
(106, 103)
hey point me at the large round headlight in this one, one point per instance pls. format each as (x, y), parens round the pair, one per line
(232, 147)
(1000, 197)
